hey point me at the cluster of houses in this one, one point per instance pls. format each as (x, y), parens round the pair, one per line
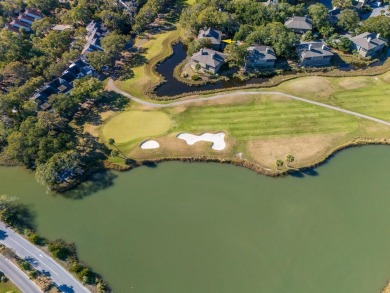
(63, 84)
(95, 32)
(310, 54)
(24, 21)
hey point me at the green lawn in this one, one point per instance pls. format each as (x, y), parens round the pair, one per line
(265, 117)
(8, 287)
(132, 125)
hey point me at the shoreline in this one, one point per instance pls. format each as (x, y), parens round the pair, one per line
(357, 142)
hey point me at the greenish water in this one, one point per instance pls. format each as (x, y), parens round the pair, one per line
(215, 228)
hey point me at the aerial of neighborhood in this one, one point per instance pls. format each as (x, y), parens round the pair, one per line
(194, 146)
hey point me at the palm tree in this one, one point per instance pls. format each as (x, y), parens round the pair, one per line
(290, 159)
(111, 141)
(278, 163)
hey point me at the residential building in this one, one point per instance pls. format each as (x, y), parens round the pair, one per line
(260, 57)
(299, 24)
(312, 54)
(63, 84)
(213, 35)
(368, 44)
(208, 60)
(24, 21)
(95, 33)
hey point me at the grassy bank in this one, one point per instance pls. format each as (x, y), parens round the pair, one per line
(157, 48)
(8, 287)
(261, 128)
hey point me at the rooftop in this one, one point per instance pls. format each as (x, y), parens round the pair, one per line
(299, 22)
(209, 57)
(368, 41)
(313, 49)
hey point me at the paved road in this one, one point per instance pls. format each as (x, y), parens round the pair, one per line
(63, 279)
(18, 277)
(112, 86)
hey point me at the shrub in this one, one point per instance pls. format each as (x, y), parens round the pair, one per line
(196, 77)
(36, 239)
(61, 250)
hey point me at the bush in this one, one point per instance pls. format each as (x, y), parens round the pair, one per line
(36, 239)
(196, 77)
(62, 250)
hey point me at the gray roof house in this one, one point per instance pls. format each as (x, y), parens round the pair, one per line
(299, 24)
(213, 35)
(368, 44)
(312, 54)
(260, 56)
(208, 59)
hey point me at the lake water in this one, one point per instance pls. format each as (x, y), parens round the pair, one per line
(183, 228)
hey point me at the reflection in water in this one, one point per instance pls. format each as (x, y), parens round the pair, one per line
(173, 87)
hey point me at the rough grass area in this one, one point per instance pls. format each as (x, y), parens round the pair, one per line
(131, 125)
(156, 48)
(8, 287)
(367, 95)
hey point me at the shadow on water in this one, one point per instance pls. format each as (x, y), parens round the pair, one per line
(95, 183)
(173, 87)
(150, 164)
(304, 172)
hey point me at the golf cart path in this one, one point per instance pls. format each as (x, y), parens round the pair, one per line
(114, 88)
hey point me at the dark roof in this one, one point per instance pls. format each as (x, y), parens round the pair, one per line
(213, 35)
(313, 49)
(299, 23)
(209, 57)
(34, 12)
(12, 29)
(261, 52)
(26, 17)
(368, 41)
(18, 22)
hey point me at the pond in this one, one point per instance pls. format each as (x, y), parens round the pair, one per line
(173, 87)
(197, 227)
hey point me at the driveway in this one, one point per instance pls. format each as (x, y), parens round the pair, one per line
(375, 12)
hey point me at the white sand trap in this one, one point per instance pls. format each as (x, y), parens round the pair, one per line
(217, 139)
(149, 145)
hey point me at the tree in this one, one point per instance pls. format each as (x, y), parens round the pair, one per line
(99, 60)
(237, 54)
(111, 142)
(46, 6)
(278, 164)
(349, 19)
(289, 159)
(198, 44)
(342, 4)
(379, 24)
(114, 43)
(319, 15)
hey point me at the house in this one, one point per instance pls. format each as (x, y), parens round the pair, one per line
(95, 33)
(24, 21)
(213, 35)
(20, 25)
(208, 60)
(299, 24)
(33, 13)
(63, 84)
(260, 57)
(368, 44)
(312, 54)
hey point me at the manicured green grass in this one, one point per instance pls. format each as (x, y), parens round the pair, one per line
(8, 287)
(265, 117)
(133, 125)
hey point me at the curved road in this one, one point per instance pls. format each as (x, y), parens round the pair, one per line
(17, 276)
(62, 279)
(113, 87)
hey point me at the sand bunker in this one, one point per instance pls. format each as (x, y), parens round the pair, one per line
(149, 145)
(217, 139)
